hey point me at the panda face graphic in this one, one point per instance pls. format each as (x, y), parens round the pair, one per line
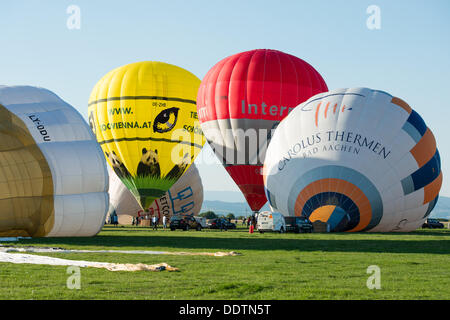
(114, 159)
(166, 120)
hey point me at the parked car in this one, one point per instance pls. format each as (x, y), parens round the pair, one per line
(298, 225)
(433, 224)
(202, 221)
(216, 223)
(185, 223)
(271, 221)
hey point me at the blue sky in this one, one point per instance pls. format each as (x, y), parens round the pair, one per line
(408, 57)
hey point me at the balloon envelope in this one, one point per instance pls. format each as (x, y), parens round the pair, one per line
(144, 118)
(241, 99)
(185, 197)
(53, 176)
(357, 159)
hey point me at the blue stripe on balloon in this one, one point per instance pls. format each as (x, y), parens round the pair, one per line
(412, 131)
(271, 198)
(416, 120)
(431, 206)
(426, 174)
(408, 185)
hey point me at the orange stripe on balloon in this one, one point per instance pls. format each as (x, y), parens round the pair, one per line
(425, 149)
(317, 113)
(343, 107)
(431, 190)
(334, 108)
(326, 109)
(340, 186)
(399, 102)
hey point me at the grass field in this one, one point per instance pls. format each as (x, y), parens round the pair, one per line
(271, 266)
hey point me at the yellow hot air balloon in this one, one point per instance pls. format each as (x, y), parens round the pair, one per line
(145, 119)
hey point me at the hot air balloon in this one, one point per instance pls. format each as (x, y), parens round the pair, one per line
(144, 117)
(185, 197)
(241, 100)
(53, 176)
(357, 159)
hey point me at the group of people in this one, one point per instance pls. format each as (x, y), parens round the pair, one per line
(154, 222)
(251, 220)
(136, 221)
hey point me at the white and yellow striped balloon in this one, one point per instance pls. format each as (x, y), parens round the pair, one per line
(53, 176)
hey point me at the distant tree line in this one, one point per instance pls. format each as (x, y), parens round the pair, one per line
(213, 215)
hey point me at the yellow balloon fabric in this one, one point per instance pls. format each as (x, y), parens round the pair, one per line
(145, 119)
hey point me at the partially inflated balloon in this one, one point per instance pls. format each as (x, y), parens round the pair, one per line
(53, 177)
(121, 200)
(357, 159)
(241, 99)
(185, 197)
(144, 117)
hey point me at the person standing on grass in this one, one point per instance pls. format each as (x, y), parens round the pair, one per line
(155, 227)
(114, 220)
(164, 222)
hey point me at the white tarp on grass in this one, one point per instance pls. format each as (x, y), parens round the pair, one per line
(15, 255)
(62, 250)
(36, 259)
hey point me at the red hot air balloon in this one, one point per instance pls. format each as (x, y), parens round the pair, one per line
(241, 100)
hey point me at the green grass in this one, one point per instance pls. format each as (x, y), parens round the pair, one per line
(272, 266)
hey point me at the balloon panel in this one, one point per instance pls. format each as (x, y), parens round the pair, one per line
(144, 117)
(49, 164)
(358, 159)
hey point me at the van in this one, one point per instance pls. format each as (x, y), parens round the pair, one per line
(271, 221)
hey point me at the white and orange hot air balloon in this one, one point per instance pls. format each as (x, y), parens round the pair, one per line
(357, 159)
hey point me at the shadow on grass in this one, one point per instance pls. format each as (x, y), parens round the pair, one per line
(208, 241)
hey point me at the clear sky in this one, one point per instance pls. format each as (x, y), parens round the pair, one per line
(409, 56)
